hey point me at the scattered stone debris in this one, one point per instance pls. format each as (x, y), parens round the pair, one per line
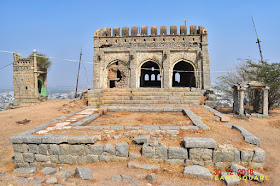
(197, 171)
(22, 122)
(230, 178)
(117, 178)
(151, 177)
(145, 166)
(26, 170)
(84, 173)
(51, 180)
(48, 170)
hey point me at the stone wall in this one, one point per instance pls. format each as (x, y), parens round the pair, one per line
(134, 49)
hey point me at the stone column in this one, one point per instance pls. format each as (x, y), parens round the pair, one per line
(235, 100)
(133, 69)
(241, 101)
(166, 76)
(36, 94)
(265, 102)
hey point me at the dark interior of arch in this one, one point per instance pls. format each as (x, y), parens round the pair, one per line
(183, 75)
(149, 75)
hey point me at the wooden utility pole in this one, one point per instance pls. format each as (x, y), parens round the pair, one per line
(76, 94)
(258, 41)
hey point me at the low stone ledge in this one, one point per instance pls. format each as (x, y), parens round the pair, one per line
(197, 142)
(248, 136)
(222, 117)
(196, 120)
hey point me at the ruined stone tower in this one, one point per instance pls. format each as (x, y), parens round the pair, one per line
(30, 83)
(133, 60)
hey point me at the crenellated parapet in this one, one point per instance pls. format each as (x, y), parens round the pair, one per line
(154, 31)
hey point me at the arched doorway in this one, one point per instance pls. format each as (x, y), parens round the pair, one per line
(150, 75)
(183, 75)
(117, 75)
(40, 84)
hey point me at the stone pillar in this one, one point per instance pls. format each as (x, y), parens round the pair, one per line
(265, 102)
(235, 100)
(133, 69)
(241, 101)
(36, 94)
(166, 76)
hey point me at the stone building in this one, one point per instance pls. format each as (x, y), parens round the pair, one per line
(30, 83)
(133, 58)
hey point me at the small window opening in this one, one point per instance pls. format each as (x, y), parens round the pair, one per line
(116, 41)
(153, 77)
(177, 77)
(134, 40)
(144, 39)
(193, 39)
(183, 39)
(158, 77)
(117, 63)
(163, 39)
(154, 39)
(124, 40)
(119, 75)
(26, 88)
(153, 68)
(147, 77)
(173, 39)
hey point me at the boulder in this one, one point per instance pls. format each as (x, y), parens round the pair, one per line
(151, 177)
(84, 173)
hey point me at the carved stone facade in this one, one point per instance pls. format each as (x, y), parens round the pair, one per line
(30, 84)
(126, 59)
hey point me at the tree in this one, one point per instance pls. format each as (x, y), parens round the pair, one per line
(250, 70)
(43, 62)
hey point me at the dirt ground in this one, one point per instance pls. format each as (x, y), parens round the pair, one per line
(268, 130)
(125, 118)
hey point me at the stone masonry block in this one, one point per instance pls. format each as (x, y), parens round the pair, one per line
(259, 155)
(246, 156)
(77, 150)
(64, 149)
(33, 148)
(200, 154)
(224, 155)
(109, 149)
(54, 158)
(67, 159)
(197, 142)
(28, 157)
(20, 147)
(96, 149)
(43, 149)
(18, 157)
(122, 149)
(177, 153)
(92, 158)
(161, 151)
(148, 151)
(42, 158)
(54, 149)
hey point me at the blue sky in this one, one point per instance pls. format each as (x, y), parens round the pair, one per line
(60, 28)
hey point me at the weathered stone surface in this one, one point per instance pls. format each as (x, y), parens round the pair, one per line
(84, 173)
(259, 155)
(67, 159)
(189, 128)
(222, 165)
(125, 177)
(122, 149)
(26, 170)
(117, 178)
(48, 170)
(197, 171)
(28, 157)
(33, 148)
(197, 142)
(150, 127)
(141, 139)
(96, 149)
(224, 155)
(255, 165)
(230, 178)
(20, 148)
(177, 153)
(143, 166)
(134, 182)
(64, 173)
(54, 149)
(42, 158)
(169, 127)
(109, 149)
(51, 180)
(148, 151)
(246, 156)
(161, 151)
(53, 158)
(200, 154)
(77, 150)
(249, 137)
(236, 155)
(43, 149)
(151, 177)
(132, 155)
(256, 176)
(175, 161)
(105, 158)
(64, 149)
(195, 119)
(92, 158)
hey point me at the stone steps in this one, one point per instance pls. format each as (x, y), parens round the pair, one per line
(151, 90)
(152, 94)
(145, 102)
(152, 98)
